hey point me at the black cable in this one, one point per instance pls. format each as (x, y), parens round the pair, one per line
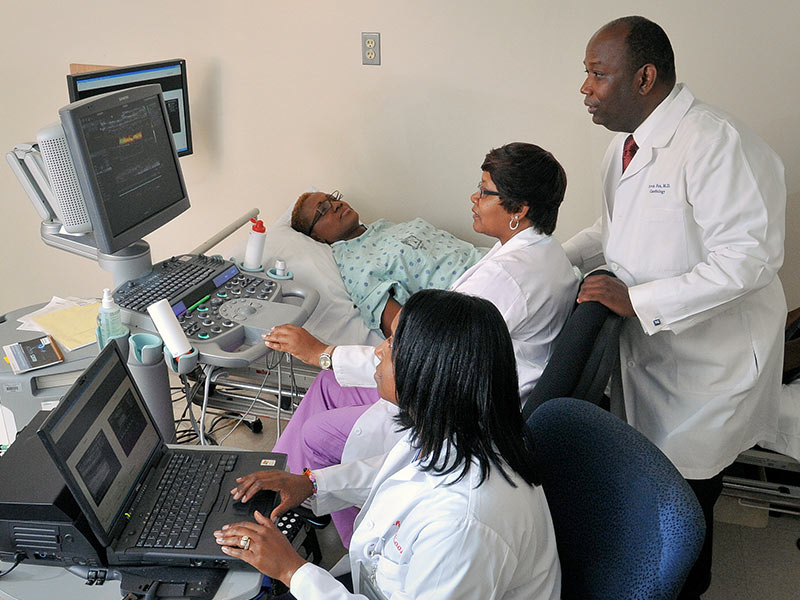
(221, 421)
(18, 558)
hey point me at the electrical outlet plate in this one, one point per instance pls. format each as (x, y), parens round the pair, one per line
(370, 48)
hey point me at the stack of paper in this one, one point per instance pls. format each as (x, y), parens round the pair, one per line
(71, 321)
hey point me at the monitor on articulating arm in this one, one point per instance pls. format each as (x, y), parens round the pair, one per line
(126, 164)
(111, 176)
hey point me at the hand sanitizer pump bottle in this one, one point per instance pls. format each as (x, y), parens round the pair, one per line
(109, 320)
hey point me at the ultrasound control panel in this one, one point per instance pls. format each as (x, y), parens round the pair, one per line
(223, 310)
(243, 298)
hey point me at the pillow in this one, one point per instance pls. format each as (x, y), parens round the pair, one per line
(336, 320)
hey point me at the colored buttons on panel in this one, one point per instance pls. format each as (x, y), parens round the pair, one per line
(205, 321)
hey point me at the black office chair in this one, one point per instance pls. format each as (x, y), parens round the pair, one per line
(627, 524)
(584, 355)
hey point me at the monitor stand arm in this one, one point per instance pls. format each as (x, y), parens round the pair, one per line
(132, 262)
(124, 265)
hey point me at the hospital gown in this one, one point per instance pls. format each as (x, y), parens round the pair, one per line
(398, 260)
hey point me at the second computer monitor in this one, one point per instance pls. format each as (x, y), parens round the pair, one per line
(170, 74)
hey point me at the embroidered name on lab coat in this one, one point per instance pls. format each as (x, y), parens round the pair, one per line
(658, 188)
(394, 539)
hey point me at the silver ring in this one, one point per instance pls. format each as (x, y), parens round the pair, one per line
(244, 543)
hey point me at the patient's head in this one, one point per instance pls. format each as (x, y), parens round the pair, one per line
(527, 175)
(325, 217)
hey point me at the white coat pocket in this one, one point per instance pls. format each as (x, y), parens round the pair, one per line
(723, 368)
(663, 234)
(390, 576)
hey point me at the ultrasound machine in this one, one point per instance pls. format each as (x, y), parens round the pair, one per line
(101, 178)
(104, 176)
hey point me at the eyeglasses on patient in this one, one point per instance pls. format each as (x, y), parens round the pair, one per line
(323, 208)
(482, 192)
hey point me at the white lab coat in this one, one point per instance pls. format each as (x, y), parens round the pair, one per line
(530, 281)
(373, 432)
(426, 536)
(695, 228)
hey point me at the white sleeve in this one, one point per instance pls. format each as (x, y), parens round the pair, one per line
(738, 203)
(311, 581)
(585, 249)
(354, 366)
(343, 486)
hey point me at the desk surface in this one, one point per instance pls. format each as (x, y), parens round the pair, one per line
(35, 582)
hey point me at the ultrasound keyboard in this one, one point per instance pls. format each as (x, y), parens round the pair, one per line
(183, 280)
(223, 311)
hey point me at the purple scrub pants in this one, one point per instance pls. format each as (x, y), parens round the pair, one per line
(316, 434)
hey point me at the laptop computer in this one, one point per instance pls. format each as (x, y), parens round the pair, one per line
(103, 440)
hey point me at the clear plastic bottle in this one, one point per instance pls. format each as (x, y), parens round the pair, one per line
(109, 320)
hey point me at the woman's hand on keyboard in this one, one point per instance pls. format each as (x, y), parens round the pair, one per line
(296, 341)
(292, 488)
(268, 550)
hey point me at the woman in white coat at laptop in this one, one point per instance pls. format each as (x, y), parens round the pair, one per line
(526, 275)
(454, 510)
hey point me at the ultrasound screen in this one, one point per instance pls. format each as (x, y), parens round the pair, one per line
(98, 467)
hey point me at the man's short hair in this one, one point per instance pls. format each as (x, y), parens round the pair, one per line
(526, 174)
(648, 43)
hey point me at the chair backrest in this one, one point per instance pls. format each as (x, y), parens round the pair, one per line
(584, 355)
(627, 524)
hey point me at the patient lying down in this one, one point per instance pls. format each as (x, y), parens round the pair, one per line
(383, 263)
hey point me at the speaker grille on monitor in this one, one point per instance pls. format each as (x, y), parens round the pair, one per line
(70, 206)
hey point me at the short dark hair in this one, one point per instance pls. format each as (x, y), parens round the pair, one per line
(299, 222)
(647, 43)
(526, 174)
(456, 383)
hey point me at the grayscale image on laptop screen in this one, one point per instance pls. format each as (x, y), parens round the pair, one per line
(103, 437)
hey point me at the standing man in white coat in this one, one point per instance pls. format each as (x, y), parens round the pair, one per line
(693, 227)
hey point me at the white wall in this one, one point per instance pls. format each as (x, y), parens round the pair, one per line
(280, 101)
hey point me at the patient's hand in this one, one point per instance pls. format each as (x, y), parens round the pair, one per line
(296, 341)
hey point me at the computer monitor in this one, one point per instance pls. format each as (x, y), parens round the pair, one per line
(126, 164)
(170, 74)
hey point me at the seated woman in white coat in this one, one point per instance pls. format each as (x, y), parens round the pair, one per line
(454, 510)
(526, 275)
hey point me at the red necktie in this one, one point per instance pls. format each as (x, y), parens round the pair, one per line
(628, 152)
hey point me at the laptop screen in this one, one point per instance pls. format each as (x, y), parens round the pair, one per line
(101, 437)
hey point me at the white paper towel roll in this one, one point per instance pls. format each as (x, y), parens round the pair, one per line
(168, 328)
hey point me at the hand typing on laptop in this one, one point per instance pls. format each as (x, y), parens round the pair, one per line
(292, 488)
(261, 544)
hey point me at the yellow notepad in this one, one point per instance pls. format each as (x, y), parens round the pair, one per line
(73, 327)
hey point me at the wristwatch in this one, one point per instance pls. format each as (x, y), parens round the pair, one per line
(325, 359)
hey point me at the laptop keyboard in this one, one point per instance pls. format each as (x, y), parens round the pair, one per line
(188, 489)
